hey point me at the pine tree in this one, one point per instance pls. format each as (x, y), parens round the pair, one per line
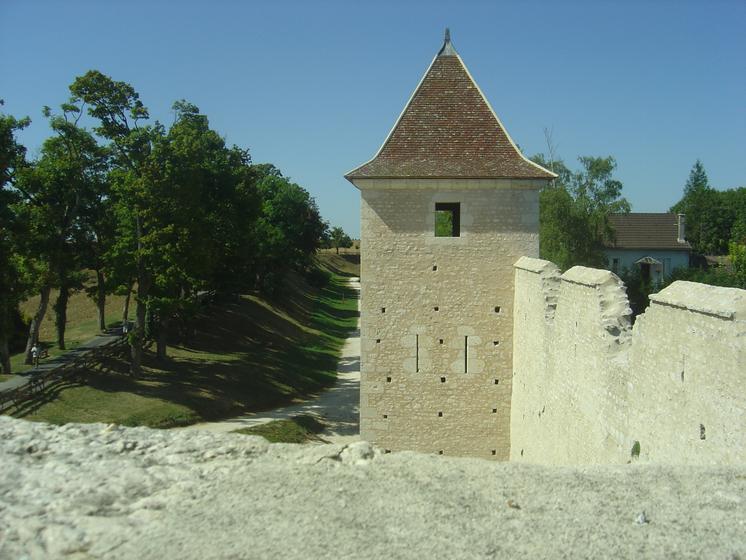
(697, 181)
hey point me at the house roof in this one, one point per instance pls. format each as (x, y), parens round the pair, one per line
(646, 231)
(449, 130)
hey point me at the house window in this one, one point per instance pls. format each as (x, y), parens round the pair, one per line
(615, 265)
(447, 219)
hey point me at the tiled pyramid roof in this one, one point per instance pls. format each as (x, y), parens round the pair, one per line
(646, 231)
(448, 129)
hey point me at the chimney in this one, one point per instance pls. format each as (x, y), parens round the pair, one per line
(682, 227)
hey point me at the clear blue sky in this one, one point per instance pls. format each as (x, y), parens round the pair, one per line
(315, 86)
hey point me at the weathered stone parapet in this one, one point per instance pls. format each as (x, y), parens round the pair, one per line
(589, 388)
(727, 303)
(549, 284)
(611, 293)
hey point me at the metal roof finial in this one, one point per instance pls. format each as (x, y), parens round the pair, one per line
(447, 48)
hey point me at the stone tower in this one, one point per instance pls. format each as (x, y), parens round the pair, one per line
(448, 204)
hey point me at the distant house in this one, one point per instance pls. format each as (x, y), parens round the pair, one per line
(652, 242)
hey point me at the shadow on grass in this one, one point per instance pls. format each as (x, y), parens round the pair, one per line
(246, 355)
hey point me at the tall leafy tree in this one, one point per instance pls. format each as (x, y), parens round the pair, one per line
(13, 284)
(575, 208)
(290, 227)
(192, 180)
(339, 238)
(66, 177)
(119, 111)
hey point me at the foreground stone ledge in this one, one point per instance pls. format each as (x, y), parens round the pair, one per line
(96, 491)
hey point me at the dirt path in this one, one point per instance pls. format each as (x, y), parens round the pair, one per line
(338, 406)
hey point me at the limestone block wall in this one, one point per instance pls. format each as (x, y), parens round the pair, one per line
(589, 388)
(436, 314)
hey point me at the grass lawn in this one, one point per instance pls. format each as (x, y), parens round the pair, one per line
(82, 324)
(344, 264)
(248, 354)
(298, 429)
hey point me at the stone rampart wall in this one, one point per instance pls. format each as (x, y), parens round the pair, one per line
(589, 388)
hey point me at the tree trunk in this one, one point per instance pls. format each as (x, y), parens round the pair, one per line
(162, 341)
(101, 299)
(337, 249)
(126, 307)
(33, 335)
(4, 355)
(60, 311)
(136, 341)
(143, 288)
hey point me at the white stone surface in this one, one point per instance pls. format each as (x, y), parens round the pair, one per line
(91, 491)
(587, 387)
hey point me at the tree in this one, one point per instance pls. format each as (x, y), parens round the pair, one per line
(191, 176)
(574, 211)
(289, 229)
(13, 283)
(713, 218)
(697, 181)
(737, 252)
(118, 108)
(56, 189)
(340, 239)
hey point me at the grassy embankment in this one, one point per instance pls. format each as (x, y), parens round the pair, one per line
(298, 429)
(248, 354)
(82, 323)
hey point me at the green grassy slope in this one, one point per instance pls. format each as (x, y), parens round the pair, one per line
(249, 354)
(82, 323)
(298, 429)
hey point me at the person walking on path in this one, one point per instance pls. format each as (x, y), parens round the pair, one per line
(35, 354)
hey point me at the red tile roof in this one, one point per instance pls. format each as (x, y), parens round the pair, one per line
(646, 231)
(449, 130)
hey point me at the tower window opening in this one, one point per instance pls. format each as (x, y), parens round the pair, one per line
(417, 353)
(447, 219)
(466, 354)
